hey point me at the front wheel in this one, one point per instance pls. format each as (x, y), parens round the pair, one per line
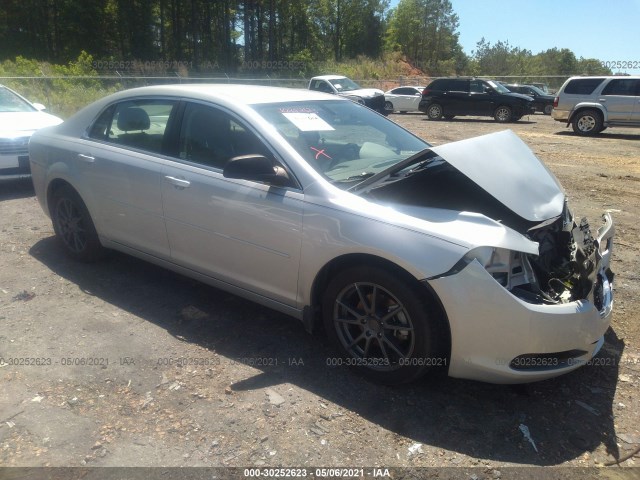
(502, 114)
(382, 324)
(388, 106)
(587, 123)
(73, 226)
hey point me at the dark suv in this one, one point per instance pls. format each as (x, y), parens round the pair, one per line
(449, 97)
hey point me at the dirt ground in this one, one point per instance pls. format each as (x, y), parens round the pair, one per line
(122, 363)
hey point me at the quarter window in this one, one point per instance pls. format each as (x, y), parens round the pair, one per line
(582, 86)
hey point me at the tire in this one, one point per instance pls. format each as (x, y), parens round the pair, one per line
(503, 114)
(73, 226)
(547, 109)
(587, 123)
(434, 111)
(388, 107)
(449, 117)
(391, 339)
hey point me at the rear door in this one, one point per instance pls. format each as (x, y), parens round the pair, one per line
(619, 97)
(456, 98)
(241, 232)
(121, 164)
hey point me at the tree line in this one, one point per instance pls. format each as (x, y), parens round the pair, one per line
(287, 35)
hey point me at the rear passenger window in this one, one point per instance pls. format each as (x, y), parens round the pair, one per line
(622, 87)
(583, 86)
(139, 124)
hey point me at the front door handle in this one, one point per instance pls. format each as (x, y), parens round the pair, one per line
(178, 182)
(86, 158)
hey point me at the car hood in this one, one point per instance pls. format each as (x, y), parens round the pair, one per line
(363, 92)
(15, 124)
(504, 166)
(520, 95)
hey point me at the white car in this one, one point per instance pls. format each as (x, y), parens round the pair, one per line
(463, 256)
(403, 99)
(19, 118)
(345, 87)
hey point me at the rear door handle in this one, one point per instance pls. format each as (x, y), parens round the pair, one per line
(178, 182)
(86, 158)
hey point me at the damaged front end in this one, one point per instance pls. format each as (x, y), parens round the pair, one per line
(518, 311)
(570, 265)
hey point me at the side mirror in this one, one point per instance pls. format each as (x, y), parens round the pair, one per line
(257, 168)
(40, 107)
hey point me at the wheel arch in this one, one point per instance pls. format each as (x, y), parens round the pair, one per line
(54, 186)
(343, 262)
(587, 106)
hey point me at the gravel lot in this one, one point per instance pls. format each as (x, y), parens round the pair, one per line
(131, 365)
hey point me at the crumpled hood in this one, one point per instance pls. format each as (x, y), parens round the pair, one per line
(504, 166)
(16, 124)
(364, 92)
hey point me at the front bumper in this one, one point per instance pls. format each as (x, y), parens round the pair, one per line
(14, 166)
(14, 157)
(492, 328)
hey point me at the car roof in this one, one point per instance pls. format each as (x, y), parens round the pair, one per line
(624, 77)
(238, 94)
(328, 77)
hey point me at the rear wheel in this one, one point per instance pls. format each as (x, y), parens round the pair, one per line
(587, 123)
(382, 325)
(503, 114)
(73, 226)
(548, 109)
(388, 106)
(434, 112)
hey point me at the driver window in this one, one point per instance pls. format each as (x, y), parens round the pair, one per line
(477, 86)
(211, 137)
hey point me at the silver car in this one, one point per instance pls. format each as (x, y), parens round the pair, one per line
(592, 104)
(462, 257)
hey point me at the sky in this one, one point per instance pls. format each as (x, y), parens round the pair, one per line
(608, 30)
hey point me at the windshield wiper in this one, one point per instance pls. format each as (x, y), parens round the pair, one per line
(353, 178)
(419, 157)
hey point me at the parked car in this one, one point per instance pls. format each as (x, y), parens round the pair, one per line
(345, 87)
(403, 99)
(591, 104)
(19, 118)
(450, 97)
(463, 256)
(541, 101)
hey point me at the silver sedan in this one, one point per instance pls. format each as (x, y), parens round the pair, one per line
(463, 257)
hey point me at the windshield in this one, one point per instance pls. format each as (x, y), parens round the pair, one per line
(342, 140)
(344, 84)
(10, 102)
(537, 90)
(498, 87)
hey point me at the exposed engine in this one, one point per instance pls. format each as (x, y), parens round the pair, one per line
(565, 267)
